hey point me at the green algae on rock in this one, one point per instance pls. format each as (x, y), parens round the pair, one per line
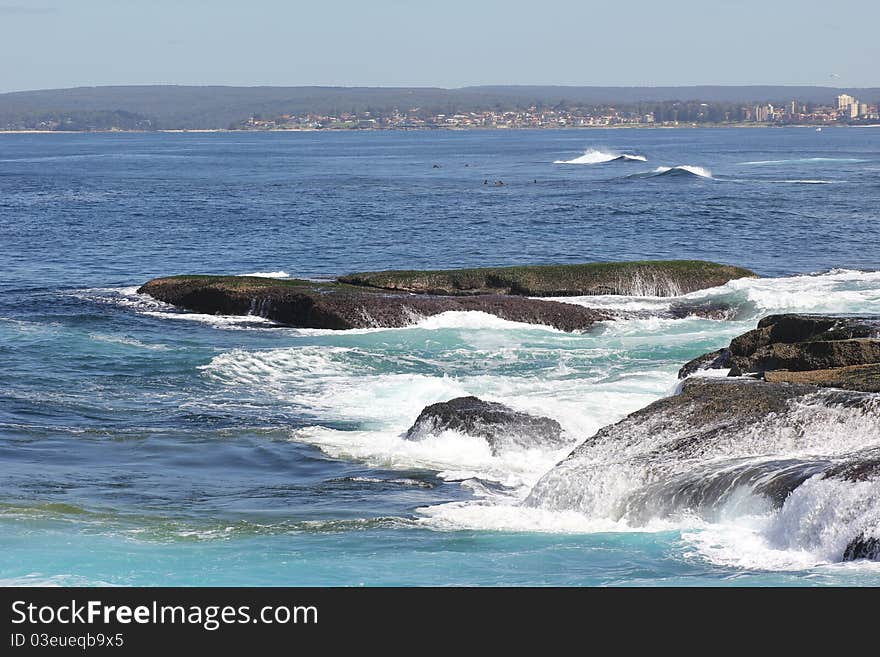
(643, 278)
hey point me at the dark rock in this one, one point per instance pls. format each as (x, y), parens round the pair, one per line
(706, 309)
(802, 327)
(656, 278)
(310, 304)
(714, 360)
(499, 425)
(810, 355)
(863, 547)
(824, 350)
(862, 468)
(765, 347)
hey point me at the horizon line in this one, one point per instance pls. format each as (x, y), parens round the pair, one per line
(441, 88)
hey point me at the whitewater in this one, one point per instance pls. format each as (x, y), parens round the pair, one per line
(595, 156)
(585, 381)
(141, 444)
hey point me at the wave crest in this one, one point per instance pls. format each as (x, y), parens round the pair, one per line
(680, 171)
(594, 156)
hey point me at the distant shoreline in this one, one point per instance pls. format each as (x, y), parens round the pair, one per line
(486, 129)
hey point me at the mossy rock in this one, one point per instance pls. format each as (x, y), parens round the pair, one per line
(642, 278)
(330, 305)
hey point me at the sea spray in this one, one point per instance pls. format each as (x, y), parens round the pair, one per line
(593, 156)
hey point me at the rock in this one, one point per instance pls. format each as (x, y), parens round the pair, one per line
(714, 360)
(706, 309)
(801, 327)
(822, 341)
(863, 547)
(823, 350)
(856, 470)
(648, 278)
(852, 377)
(704, 409)
(500, 426)
(864, 468)
(702, 448)
(803, 356)
(310, 304)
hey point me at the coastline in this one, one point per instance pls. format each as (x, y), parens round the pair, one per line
(689, 126)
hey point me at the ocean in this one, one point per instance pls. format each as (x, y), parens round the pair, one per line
(143, 445)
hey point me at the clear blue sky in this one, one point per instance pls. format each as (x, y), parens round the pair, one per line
(449, 43)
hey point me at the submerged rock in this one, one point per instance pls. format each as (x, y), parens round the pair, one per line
(498, 424)
(311, 304)
(644, 278)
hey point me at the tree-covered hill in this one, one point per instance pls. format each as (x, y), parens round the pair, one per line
(213, 107)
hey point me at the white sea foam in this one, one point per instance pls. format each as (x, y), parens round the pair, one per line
(143, 304)
(746, 532)
(593, 156)
(268, 274)
(813, 528)
(454, 456)
(508, 516)
(378, 380)
(216, 321)
(476, 320)
(125, 297)
(838, 291)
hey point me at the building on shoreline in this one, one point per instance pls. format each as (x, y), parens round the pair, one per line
(666, 114)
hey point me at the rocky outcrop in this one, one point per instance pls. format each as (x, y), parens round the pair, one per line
(716, 440)
(852, 377)
(398, 298)
(649, 278)
(501, 426)
(806, 342)
(824, 350)
(800, 414)
(310, 304)
(863, 547)
(714, 360)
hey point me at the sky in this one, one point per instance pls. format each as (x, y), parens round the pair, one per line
(447, 43)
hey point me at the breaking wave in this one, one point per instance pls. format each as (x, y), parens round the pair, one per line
(747, 299)
(268, 274)
(355, 399)
(593, 156)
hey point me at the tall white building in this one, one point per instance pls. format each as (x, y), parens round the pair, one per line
(763, 113)
(845, 101)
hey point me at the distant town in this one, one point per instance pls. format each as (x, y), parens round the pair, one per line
(847, 111)
(181, 108)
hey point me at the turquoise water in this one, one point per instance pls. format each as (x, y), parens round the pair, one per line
(142, 445)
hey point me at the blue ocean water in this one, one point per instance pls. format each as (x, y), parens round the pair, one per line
(144, 446)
